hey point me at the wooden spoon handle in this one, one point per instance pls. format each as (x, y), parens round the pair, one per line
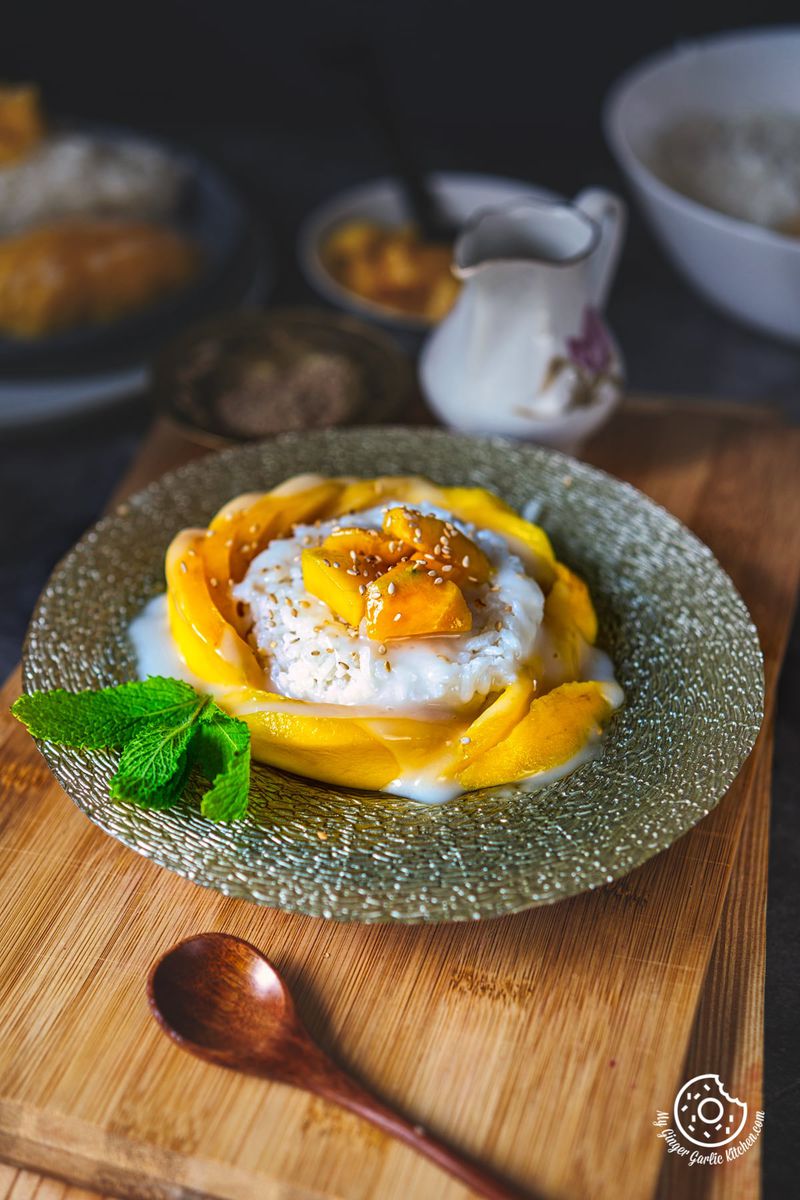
(345, 1091)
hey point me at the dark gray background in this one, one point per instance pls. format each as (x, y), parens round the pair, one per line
(506, 86)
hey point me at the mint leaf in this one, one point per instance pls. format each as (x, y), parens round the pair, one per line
(93, 720)
(156, 753)
(164, 795)
(221, 751)
(164, 728)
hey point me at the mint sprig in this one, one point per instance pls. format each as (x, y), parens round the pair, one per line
(163, 727)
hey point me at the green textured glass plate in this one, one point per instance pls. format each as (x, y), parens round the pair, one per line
(684, 647)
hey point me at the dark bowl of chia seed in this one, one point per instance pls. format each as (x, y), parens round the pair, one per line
(251, 374)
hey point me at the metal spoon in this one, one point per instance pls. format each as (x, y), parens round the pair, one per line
(218, 997)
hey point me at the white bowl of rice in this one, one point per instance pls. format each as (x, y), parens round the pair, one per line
(708, 136)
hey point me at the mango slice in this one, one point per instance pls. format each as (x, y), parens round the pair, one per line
(558, 725)
(358, 494)
(334, 749)
(407, 602)
(450, 551)
(488, 511)
(569, 603)
(249, 523)
(498, 720)
(211, 648)
(364, 752)
(339, 581)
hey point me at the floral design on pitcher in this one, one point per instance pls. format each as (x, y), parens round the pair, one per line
(591, 349)
(589, 359)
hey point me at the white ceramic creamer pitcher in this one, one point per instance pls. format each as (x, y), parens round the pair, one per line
(525, 350)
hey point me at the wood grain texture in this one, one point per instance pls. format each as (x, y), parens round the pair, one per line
(728, 1031)
(541, 1044)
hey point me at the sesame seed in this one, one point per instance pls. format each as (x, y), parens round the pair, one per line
(388, 665)
(192, 552)
(437, 580)
(253, 529)
(214, 582)
(272, 645)
(344, 664)
(498, 625)
(465, 561)
(465, 741)
(447, 566)
(229, 543)
(397, 616)
(352, 571)
(315, 653)
(473, 579)
(362, 587)
(381, 649)
(392, 588)
(184, 568)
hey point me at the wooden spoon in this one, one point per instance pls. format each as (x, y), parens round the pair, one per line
(218, 997)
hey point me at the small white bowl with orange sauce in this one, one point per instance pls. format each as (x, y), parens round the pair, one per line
(380, 205)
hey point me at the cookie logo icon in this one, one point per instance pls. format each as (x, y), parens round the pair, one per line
(706, 1115)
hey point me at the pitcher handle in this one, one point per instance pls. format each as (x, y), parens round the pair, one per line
(610, 215)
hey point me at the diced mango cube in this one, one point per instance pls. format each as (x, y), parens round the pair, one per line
(408, 602)
(450, 551)
(338, 581)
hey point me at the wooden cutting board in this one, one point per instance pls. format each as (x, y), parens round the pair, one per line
(542, 1043)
